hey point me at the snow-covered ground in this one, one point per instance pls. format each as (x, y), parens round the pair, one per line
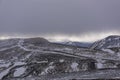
(74, 66)
(6, 71)
(3, 73)
(19, 71)
(108, 50)
(74, 52)
(86, 75)
(5, 65)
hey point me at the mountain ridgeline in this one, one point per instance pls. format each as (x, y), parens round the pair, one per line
(40, 59)
(108, 42)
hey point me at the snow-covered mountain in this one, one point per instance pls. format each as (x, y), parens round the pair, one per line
(78, 44)
(108, 42)
(22, 59)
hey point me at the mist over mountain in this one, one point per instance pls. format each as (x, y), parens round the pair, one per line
(59, 39)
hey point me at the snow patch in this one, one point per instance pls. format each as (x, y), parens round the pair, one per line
(99, 65)
(68, 49)
(117, 38)
(20, 43)
(5, 65)
(28, 55)
(47, 70)
(2, 61)
(19, 71)
(74, 66)
(5, 72)
(108, 50)
(118, 54)
(19, 63)
(51, 63)
(61, 60)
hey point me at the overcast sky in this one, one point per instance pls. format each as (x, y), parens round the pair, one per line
(70, 17)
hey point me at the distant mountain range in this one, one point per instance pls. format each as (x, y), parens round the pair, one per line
(78, 44)
(37, 58)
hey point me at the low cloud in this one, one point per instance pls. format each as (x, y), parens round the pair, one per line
(68, 17)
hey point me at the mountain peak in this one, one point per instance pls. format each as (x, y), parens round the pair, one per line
(36, 40)
(108, 42)
(112, 36)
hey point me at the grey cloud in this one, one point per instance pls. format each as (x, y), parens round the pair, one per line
(62, 16)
